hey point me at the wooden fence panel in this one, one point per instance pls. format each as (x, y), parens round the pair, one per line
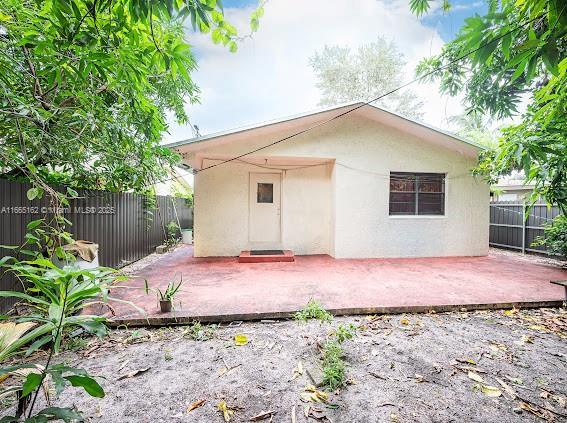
(121, 223)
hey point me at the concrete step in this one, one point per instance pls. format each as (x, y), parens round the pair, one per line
(248, 256)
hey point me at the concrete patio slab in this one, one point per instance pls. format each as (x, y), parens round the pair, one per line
(222, 289)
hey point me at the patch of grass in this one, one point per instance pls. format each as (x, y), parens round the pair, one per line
(199, 332)
(313, 310)
(168, 356)
(75, 344)
(333, 365)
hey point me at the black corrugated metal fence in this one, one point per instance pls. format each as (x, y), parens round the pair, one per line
(515, 225)
(126, 226)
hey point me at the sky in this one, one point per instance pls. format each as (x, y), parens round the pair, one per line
(270, 77)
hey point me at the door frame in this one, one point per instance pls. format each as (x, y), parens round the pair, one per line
(266, 244)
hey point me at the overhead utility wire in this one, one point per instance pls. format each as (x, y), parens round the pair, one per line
(366, 103)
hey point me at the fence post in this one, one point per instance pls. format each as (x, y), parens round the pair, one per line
(523, 227)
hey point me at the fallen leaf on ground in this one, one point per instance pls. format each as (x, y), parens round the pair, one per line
(536, 411)
(133, 373)
(507, 388)
(226, 410)
(511, 312)
(312, 394)
(262, 416)
(526, 339)
(297, 371)
(404, 321)
(490, 391)
(196, 404)
(495, 346)
(240, 339)
(475, 376)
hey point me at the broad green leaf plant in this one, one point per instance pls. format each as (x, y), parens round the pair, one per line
(56, 299)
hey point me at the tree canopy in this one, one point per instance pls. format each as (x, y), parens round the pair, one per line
(518, 49)
(373, 69)
(476, 127)
(86, 85)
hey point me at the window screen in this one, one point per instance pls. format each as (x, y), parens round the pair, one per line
(265, 193)
(417, 193)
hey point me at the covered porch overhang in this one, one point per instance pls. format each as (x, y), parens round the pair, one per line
(200, 161)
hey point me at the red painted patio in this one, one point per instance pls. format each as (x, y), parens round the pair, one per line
(222, 289)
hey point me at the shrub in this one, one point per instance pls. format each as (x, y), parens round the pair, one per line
(555, 236)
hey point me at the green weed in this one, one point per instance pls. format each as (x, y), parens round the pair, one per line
(198, 332)
(313, 310)
(333, 365)
(344, 332)
(75, 344)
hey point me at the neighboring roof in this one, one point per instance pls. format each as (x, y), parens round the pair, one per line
(355, 105)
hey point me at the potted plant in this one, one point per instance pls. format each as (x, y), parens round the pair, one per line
(167, 296)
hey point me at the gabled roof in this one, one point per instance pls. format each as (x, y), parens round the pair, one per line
(324, 114)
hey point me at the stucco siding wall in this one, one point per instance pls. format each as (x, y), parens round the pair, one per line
(306, 210)
(221, 210)
(357, 192)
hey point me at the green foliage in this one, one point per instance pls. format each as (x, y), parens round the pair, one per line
(56, 297)
(49, 414)
(75, 344)
(333, 365)
(476, 128)
(199, 332)
(517, 47)
(60, 376)
(172, 234)
(185, 191)
(170, 291)
(313, 310)
(43, 237)
(555, 236)
(344, 332)
(86, 87)
(372, 70)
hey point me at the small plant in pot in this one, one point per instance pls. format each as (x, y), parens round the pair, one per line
(167, 296)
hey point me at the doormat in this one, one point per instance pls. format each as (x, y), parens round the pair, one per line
(266, 252)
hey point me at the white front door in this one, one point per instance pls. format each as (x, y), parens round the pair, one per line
(265, 210)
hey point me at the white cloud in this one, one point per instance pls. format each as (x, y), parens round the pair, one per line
(269, 76)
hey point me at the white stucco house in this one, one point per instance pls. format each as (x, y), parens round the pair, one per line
(369, 183)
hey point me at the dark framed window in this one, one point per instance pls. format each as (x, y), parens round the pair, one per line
(417, 193)
(265, 193)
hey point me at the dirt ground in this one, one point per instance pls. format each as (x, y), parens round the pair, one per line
(412, 368)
